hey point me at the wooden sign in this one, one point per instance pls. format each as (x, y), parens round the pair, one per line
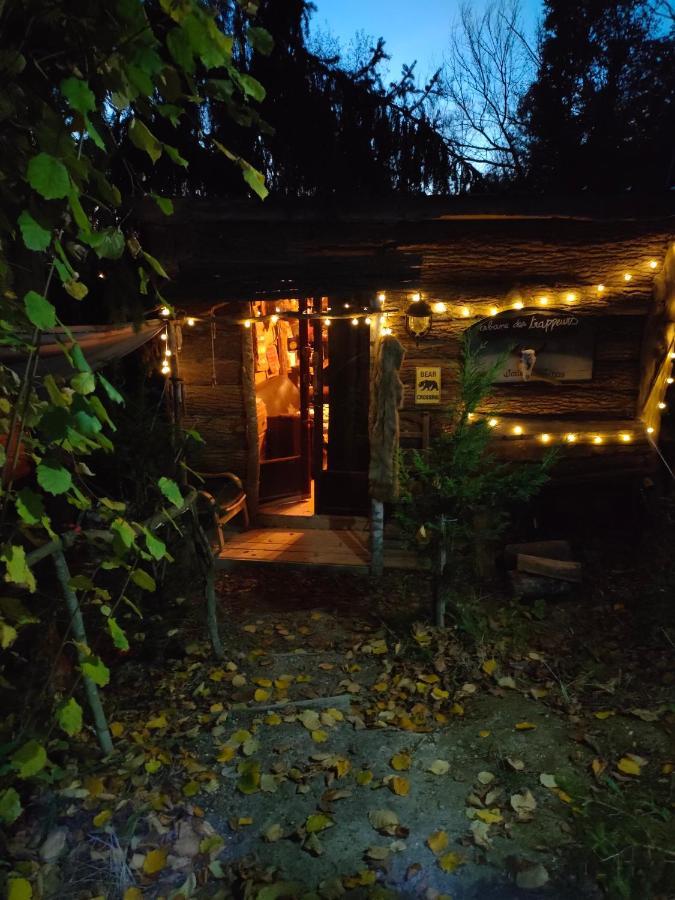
(427, 385)
(536, 346)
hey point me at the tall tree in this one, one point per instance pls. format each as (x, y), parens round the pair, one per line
(600, 113)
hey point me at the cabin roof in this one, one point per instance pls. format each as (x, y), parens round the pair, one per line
(463, 247)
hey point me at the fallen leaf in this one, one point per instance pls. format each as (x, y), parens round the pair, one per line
(19, 889)
(318, 822)
(484, 733)
(438, 841)
(274, 833)
(383, 820)
(155, 861)
(516, 764)
(538, 693)
(598, 766)
(377, 853)
(489, 816)
(524, 805)
(226, 753)
(400, 786)
(273, 719)
(506, 682)
(365, 776)
(457, 709)
(243, 821)
(157, 722)
(439, 767)
(319, 736)
(450, 861)
(116, 729)
(666, 768)
(104, 816)
(548, 780)
(489, 666)
(628, 766)
(524, 726)
(401, 762)
(485, 777)
(260, 695)
(532, 877)
(480, 832)
(133, 893)
(604, 713)
(647, 715)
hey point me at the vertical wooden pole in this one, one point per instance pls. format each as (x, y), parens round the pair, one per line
(77, 622)
(250, 418)
(305, 422)
(176, 398)
(318, 411)
(376, 506)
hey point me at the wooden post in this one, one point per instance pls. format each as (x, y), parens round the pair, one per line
(251, 418)
(305, 422)
(439, 570)
(376, 506)
(77, 622)
(317, 454)
(176, 398)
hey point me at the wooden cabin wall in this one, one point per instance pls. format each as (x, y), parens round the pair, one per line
(216, 410)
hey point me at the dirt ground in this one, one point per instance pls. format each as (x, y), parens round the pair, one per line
(344, 747)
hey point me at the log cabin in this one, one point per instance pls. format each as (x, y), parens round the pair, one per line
(279, 310)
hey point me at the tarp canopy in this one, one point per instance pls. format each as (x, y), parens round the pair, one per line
(101, 345)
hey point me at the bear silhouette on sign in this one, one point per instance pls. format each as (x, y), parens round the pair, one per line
(428, 385)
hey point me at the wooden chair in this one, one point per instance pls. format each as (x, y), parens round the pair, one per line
(227, 500)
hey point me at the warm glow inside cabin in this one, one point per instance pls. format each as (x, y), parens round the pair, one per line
(578, 305)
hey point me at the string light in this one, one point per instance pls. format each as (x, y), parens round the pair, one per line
(165, 311)
(650, 430)
(653, 264)
(597, 439)
(386, 331)
(247, 323)
(382, 296)
(672, 356)
(274, 319)
(346, 305)
(662, 405)
(626, 438)
(493, 423)
(670, 380)
(517, 430)
(600, 288)
(518, 304)
(165, 369)
(571, 297)
(416, 297)
(368, 320)
(440, 307)
(545, 438)
(543, 301)
(190, 322)
(326, 322)
(355, 321)
(571, 438)
(163, 336)
(466, 312)
(627, 276)
(167, 352)
(494, 311)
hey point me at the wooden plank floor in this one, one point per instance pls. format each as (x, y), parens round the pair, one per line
(309, 547)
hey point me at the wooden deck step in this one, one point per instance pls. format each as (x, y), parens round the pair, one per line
(333, 548)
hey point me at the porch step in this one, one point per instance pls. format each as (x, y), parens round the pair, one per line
(336, 549)
(305, 523)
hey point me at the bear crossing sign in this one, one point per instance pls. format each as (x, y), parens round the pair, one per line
(427, 385)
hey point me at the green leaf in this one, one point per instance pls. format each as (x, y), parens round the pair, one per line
(177, 9)
(76, 289)
(113, 393)
(79, 95)
(118, 636)
(115, 505)
(8, 634)
(175, 156)
(40, 311)
(96, 670)
(80, 216)
(110, 244)
(19, 888)
(260, 39)
(141, 137)
(10, 806)
(124, 532)
(53, 478)
(35, 237)
(156, 547)
(29, 759)
(155, 264)
(48, 176)
(171, 491)
(254, 179)
(69, 717)
(79, 360)
(164, 204)
(16, 612)
(29, 506)
(251, 86)
(83, 383)
(56, 396)
(81, 583)
(180, 48)
(144, 581)
(17, 570)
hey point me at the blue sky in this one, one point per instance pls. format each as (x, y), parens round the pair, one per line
(412, 29)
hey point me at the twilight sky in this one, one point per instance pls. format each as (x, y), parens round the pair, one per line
(412, 29)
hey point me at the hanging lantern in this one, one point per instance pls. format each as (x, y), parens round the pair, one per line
(418, 319)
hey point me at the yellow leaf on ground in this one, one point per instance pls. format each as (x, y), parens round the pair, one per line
(93, 785)
(19, 889)
(261, 695)
(450, 861)
(245, 820)
(489, 816)
(400, 786)
(263, 682)
(598, 766)
(604, 713)
(489, 666)
(364, 777)
(318, 822)
(439, 694)
(401, 762)
(251, 629)
(190, 789)
(628, 766)
(155, 861)
(157, 722)
(457, 709)
(538, 693)
(484, 733)
(430, 679)
(104, 816)
(524, 726)
(274, 833)
(342, 766)
(319, 736)
(562, 795)
(226, 753)
(273, 719)
(238, 681)
(217, 675)
(133, 893)
(666, 768)
(216, 708)
(438, 841)
(239, 737)
(439, 767)
(116, 729)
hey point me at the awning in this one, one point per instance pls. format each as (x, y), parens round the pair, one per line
(101, 344)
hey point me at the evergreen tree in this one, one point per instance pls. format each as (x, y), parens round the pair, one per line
(600, 113)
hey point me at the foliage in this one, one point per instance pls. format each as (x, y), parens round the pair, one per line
(457, 494)
(71, 72)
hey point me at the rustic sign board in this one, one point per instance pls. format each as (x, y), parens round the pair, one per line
(427, 385)
(537, 346)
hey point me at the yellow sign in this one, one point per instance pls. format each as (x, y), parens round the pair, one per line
(427, 386)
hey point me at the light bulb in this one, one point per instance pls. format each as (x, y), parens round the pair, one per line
(650, 430)
(517, 430)
(326, 322)
(165, 370)
(600, 288)
(494, 311)
(368, 320)
(167, 352)
(493, 423)
(416, 297)
(627, 276)
(662, 405)
(626, 438)
(346, 305)
(101, 275)
(163, 336)
(191, 322)
(466, 312)
(440, 307)
(274, 319)
(672, 356)
(386, 331)
(653, 264)
(382, 296)
(247, 323)
(545, 438)
(165, 311)
(670, 380)
(570, 438)
(277, 309)
(355, 321)
(543, 301)
(597, 439)
(570, 297)
(518, 304)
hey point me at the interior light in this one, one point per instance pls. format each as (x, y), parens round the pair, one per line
(382, 296)
(355, 321)
(247, 323)
(191, 322)
(346, 305)
(165, 311)
(274, 319)
(571, 297)
(670, 380)
(167, 352)
(543, 301)
(368, 320)
(163, 336)
(326, 322)
(650, 430)
(672, 356)
(662, 405)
